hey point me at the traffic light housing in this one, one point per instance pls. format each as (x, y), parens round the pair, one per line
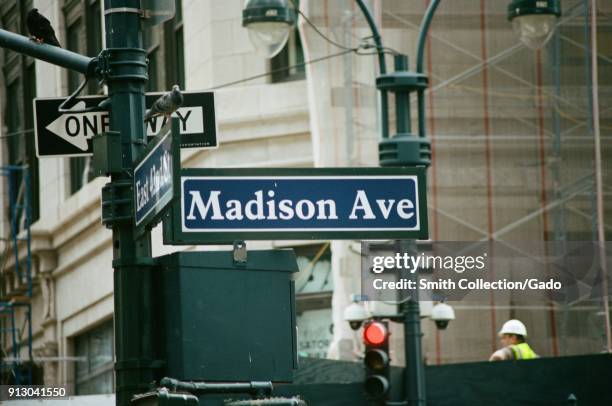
(376, 359)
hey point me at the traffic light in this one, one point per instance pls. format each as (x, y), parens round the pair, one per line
(376, 359)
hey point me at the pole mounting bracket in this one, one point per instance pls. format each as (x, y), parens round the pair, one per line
(124, 10)
(122, 64)
(117, 203)
(143, 13)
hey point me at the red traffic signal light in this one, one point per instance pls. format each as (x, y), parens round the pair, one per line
(376, 359)
(375, 334)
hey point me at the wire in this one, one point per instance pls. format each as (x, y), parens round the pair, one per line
(363, 45)
(323, 58)
(384, 50)
(262, 75)
(318, 31)
(16, 133)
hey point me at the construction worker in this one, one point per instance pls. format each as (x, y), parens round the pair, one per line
(512, 336)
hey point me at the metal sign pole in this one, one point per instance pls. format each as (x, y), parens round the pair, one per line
(126, 77)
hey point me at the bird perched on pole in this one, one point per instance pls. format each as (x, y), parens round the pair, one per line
(40, 28)
(166, 104)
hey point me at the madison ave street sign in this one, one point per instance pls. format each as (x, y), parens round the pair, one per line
(154, 176)
(226, 205)
(69, 134)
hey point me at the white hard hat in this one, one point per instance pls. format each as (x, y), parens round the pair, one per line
(514, 327)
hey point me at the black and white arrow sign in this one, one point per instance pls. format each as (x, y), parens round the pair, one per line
(69, 134)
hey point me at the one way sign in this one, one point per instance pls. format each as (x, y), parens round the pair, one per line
(69, 134)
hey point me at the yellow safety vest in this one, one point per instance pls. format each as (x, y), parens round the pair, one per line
(523, 351)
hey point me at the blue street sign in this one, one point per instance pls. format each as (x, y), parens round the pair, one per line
(153, 177)
(225, 205)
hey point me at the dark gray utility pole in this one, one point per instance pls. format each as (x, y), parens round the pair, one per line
(124, 68)
(407, 149)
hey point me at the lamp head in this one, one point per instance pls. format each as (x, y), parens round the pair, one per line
(269, 23)
(534, 20)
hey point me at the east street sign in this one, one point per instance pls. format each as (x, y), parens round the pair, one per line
(225, 205)
(154, 176)
(69, 134)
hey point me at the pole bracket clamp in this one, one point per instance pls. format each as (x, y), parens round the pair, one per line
(122, 64)
(117, 202)
(124, 10)
(144, 14)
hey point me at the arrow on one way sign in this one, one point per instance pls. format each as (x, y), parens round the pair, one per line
(77, 128)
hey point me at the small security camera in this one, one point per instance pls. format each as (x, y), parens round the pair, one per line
(442, 314)
(441, 324)
(355, 324)
(355, 314)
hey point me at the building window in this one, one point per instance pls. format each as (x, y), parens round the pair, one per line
(95, 375)
(165, 52)
(174, 49)
(20, 89)
(93, 18)
(283, 66)
(83, 35)
(14, 138)
(151, 38)
(313, 287)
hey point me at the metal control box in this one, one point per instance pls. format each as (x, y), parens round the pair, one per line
(224, 320)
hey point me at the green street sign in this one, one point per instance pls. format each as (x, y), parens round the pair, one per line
(224, 205)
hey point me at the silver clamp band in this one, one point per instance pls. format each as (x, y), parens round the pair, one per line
(123, 10)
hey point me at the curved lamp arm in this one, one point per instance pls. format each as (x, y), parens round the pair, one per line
(382, 67)
(425, 23)
(433, 5)
(384, 103)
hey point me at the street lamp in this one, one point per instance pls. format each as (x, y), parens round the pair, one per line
(534, 20)
(269, 23)
(405, 149)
